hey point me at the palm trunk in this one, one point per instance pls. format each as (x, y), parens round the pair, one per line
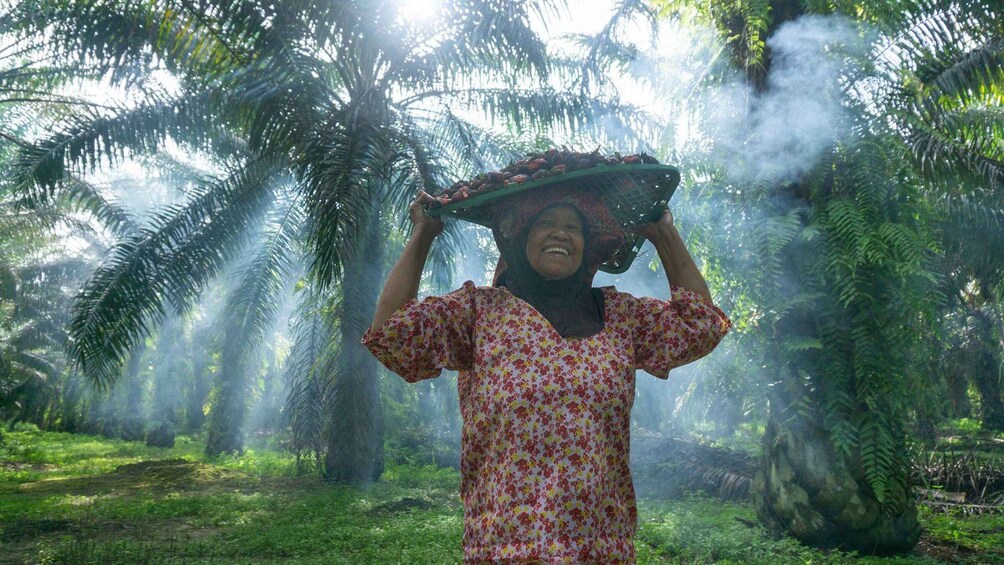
(197, 388)
(166, 385)
(268, 410)
(805, 489)
(94, 419)
(228, 406)
(71, 416)
(986, 375)
(166, 404)
(959, 405)
(355, 436)
(805, 486)
(130, 418)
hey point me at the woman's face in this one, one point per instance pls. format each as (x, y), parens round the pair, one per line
(554, 246)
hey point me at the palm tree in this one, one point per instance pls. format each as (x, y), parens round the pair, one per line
(345, 103)
(953, 112)
(844, 274)
(34, 268)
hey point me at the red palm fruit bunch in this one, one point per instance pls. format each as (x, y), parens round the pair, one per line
(535, 167)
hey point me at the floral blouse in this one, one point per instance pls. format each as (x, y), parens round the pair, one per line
(546, 420)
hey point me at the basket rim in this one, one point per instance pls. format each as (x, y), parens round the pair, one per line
(478, 202)
(623, 257)
(456, 209)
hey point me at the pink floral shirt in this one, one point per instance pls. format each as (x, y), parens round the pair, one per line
(546, 420)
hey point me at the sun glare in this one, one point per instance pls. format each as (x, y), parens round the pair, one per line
(418, 11)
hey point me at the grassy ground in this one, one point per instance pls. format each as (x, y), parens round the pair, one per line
(80, 499)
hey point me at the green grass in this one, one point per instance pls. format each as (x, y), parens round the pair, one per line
(974, 535)
(80, 499)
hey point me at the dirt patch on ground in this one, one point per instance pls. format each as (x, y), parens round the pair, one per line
(15, 466)
(22, 539)
(405, 504)
(937, 551)
(950, 552)
(175, 474)
(157, 476)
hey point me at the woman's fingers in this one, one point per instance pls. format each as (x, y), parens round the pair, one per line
(420, 218)
(418, 203)
(420, 198)
(667, 216)
(652, 230)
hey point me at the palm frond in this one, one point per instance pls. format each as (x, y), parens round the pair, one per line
(31, 362)
(179, 173)
(82, 196)
(172, 261)
(251, 309)
(495, 34)
(950, 105)
(341, 170)
(424, 163)
(306, 21)
(940, 155)
(471, 147)
(570, 114)
(603, 48)
(87, 140)
(281, 100)
(309, 387)
(980, 258)
(236, 28)
(971, 76)
(40, 334)
(123, 39)
(456, 138)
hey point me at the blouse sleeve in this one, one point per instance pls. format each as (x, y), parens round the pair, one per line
(672, 333)
(422, 338)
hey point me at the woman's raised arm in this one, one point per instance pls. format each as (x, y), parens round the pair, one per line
(676, 260)
(402, 282)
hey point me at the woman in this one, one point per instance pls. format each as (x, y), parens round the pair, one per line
(546, 372)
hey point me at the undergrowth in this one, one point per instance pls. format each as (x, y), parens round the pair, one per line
(81, 499)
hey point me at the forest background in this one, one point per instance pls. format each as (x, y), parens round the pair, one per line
(200, 200)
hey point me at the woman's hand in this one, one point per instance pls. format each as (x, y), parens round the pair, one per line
(660, 230)
(424, 225)
(676, 260)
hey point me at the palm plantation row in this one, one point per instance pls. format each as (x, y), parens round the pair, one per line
(866, 280)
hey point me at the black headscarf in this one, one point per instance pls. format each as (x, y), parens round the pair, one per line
(571, 305)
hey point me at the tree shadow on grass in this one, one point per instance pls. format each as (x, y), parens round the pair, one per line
(25, 534)
(180, 511)
(155, 476)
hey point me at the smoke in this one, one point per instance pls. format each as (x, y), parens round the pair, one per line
(741, 136)
(776, 135)
(481, 256)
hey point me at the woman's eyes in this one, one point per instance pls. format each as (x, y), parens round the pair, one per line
(549, 223)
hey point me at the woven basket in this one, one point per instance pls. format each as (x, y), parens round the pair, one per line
(634, 193)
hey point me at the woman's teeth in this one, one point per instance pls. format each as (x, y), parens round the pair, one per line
(561, 250)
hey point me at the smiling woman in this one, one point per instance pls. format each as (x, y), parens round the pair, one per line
(547, 366)
(554, 245)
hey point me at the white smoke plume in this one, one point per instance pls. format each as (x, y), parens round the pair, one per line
(778, 134)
